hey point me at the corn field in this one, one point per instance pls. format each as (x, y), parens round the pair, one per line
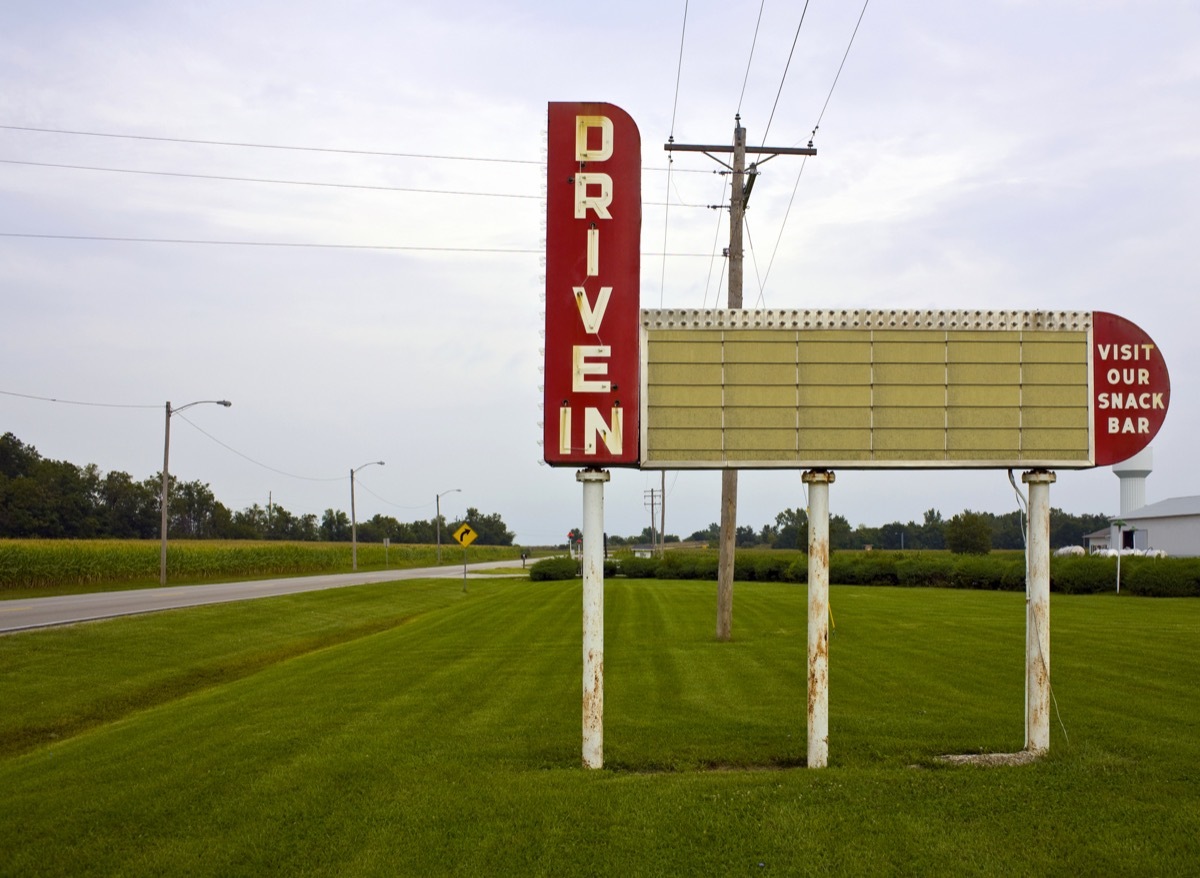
(26, 564)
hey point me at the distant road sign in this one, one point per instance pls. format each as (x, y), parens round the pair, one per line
(465, 535)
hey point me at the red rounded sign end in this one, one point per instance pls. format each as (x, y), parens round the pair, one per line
(1131, 388)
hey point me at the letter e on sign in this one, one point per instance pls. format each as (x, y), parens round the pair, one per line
(1130, 388)
(593, 268)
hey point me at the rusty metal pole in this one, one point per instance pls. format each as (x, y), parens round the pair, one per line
(593, 615)
(818, 482)
(1037, 612)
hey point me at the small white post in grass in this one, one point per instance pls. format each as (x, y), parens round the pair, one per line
(1037, 613)
(592, 555)
(818, 482)
(1120, 525)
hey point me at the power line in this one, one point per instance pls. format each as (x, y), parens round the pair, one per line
(107, 405)
(813, 136)
(712, 259)
(754, 259)
(322, 149)
(176, 414)
(362, 486)
(368, 187)
(713, 255)
(400, 247)
(393, 247)
(753, 43)
(662, 280)
(293, 475)
(267, 180)
(679, 68)
(251, 459)
(200, 429)
(317, 149)
(838, 75)
(786, 67)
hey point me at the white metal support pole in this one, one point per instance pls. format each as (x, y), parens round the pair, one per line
(1037, 612)
(818, 482)
(593, 615)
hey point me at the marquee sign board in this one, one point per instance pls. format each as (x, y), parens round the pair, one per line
(896, 389)
(593, 267)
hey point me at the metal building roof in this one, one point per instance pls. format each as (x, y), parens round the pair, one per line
(1172, 508)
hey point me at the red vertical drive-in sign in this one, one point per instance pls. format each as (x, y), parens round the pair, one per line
(593, 266)
(1130, 386)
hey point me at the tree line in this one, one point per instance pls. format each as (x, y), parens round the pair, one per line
(55, 499)
(965, 533)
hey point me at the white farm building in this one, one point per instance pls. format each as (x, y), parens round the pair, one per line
(1171, 526)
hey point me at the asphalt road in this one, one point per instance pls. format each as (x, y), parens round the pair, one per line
(22, 614)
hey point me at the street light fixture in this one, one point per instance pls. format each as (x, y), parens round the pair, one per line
(162, 556)
(439, 520)
(353, 520)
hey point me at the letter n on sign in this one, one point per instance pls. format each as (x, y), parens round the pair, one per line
(593, 266)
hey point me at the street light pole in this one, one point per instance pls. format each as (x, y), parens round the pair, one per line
(439, 520)
(353, 520)
(166, 481)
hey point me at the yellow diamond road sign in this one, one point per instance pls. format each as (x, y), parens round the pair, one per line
(465, 535)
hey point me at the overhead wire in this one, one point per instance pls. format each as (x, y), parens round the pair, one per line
(246, 457)
(293, 475)
(713, 255)
(175, 414)
(820, 116)
(750, 60)
(308, 245)
(360, 484)
(662, 281)
(314, 183)
(249, 145)
(754, 260)
(311, 183)
(210, 436)
(786, 67)
(230, 179)
(838, 75)
(107, 405)
(291, 148)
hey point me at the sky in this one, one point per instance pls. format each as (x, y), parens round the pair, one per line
(375, 290)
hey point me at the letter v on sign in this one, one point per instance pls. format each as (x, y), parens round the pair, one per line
(592, 316)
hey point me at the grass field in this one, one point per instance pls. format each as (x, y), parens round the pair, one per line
(411, 729)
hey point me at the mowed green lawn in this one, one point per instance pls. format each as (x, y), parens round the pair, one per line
(411, 729)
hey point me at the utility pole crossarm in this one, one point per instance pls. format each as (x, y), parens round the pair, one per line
(750, 150)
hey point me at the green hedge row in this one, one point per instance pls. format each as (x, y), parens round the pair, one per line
(1001, 571)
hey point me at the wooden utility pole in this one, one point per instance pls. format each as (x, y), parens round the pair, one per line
(662, 515)
(739, 198)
